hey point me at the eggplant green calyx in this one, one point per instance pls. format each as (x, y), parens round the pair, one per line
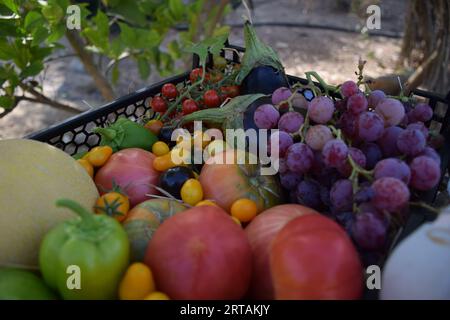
(256, 54)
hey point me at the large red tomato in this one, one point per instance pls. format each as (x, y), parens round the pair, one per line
(261, 232)
(313, 258)
(132, 170)
(200, 253)
(225, 181)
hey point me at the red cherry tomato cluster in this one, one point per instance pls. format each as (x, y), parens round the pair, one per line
(217, 86)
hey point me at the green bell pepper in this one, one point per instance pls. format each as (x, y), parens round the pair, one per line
(125, 133)
(96, 245)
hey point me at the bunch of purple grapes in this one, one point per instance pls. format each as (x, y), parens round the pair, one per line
(357, 160)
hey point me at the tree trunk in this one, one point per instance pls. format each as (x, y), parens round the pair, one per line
(426, 45)
(88, 62)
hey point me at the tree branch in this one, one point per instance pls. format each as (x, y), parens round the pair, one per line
(88, 62)
(41, 98)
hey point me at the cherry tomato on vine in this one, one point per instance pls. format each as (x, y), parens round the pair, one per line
(158, 104)
(211, 98)
(216, 77)
(189, 106)
(169, 90)
(196, 75)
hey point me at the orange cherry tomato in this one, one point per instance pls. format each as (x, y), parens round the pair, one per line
(244, 209)
(87, 166)
(114, 204)
(99, 155)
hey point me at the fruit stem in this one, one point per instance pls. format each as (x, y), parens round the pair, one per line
(86, 216)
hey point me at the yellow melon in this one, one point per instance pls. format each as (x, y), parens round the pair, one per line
(33, 175)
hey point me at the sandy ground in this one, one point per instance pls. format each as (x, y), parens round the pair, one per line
(334, 55)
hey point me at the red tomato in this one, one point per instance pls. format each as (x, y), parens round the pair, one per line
(158, 104)
(211, 98)
(261, 232)
(200, 253)
(132, 170)
(189, 106)
(169, 90)
(313, 258)
(196, 75)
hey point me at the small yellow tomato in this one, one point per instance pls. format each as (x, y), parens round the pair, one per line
(162, 163)
(206, 203)
(99, 155)
(160, 148)
(157, 295)
(137, 282)
(87, 166)
(191, 192)
(244, 209)
(113, 204)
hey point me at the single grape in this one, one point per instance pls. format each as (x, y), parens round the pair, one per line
(345, 169)
(357, 103)
(369, 231)
(299, 158)
(280, 94)
(317, 136)
(349, 88)
(421, 112)
(364, 194)
(391, 110)
(308, 194)
(334, 153)
(388, 141)
(290, 179)
(431, 153)
(375, 97)
(373, 154)
(341, 195)
(348, 123)
(391, 194)
(321, 109)
(370, 126)
(290, 122)
(392, 167)
(284, 141)
(299, 101)
(266, 116)
(425, 173)
(419, 126)
(411, 142)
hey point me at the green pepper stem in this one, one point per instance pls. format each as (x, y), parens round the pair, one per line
(108, 133)
(86, 216)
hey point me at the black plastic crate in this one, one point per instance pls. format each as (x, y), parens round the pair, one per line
(75, 134)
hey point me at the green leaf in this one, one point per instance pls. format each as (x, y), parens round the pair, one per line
(31, 20)
(146, 39)
(53, 13)
(11, 5)
(56, 33)
(39, 53)
(130, 11)
(39, 35)
(116, 48)
(32, 70)
(7, 52)
(127, 35)
(6, 102)
(176, 8)
(144, 67)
